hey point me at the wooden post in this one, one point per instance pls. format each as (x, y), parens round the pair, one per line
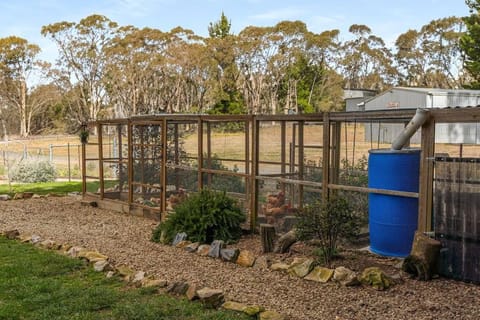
(200, 153)
(84, 163)
(100, 160)
(130, 161)
(301, 156)
(254, 182)
(267, 235)
(425, 194)
(163, 173)
(326, 156)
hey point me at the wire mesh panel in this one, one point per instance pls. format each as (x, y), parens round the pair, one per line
(457, 216)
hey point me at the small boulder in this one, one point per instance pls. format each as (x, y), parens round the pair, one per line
(18, 196)
(253, 310)
(48, 244)
(158, 283)
(191, 293)
(320, 274)
(211, 298)
(138, 278)
(110, 274)
(101, 266)
(376, 278)
(345, 277)
(262, 262)
(36, 196)
(279, 266)
(229, 255)
(300, 267)
(35, 239)
(27, 195)
(203, 250)
(179, 237)
(4, 197)
(92, 256)
(12, 234)
(182, 244)
(73, 251)
(270, 315)
(178, 288)
(215, 248)
(192, 247)
(245, 258)
(125, 272)
(234, 306)
(25, 238)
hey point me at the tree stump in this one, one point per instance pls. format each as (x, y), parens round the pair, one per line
(267, 234)
(422, 261)
(285, 242)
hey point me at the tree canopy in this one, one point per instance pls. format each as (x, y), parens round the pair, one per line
(107, 70)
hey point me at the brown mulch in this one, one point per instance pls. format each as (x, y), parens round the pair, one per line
(126, 240)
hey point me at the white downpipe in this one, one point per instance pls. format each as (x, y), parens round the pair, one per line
(418, 119)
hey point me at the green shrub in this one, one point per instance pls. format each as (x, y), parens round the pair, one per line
(204, 216)
(33, 171)
(326, 222)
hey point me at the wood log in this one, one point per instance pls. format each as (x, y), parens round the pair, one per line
(422, 261)
(267, 235)
(284, 243)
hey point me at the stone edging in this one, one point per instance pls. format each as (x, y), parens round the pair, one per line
(210, 298)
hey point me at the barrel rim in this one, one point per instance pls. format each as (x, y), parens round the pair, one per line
(390, 151)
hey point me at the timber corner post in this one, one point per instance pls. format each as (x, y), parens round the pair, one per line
(84, 141)
(425, 195)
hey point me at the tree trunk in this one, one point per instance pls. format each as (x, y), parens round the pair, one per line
(284, 243)
(422, 261)
(267, 234)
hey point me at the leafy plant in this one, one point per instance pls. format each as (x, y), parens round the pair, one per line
(33, 171)
(204, 216)
(326, 222)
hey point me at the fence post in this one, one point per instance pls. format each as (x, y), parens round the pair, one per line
(50, 152)
(68, 158)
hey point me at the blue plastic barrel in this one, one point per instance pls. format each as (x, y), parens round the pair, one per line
(393, 219)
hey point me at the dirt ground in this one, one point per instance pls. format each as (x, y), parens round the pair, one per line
(126, 240)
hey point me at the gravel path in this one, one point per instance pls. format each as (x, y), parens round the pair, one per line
(125, 239)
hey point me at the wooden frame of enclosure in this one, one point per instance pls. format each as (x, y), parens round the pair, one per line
(331, 123)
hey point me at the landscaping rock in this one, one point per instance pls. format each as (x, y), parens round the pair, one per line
(203, 250)
(102, 265)
(73, 251)
(345, 277)
(158, 283)
(270, 315)
(92, 256)
(229, 255)
(262, 263)
(245, 258)
(253, 310)
(179, 237)
(48, 244)
(65, 247)
(376, 278)
(211, 298)
(191, 293)
(110, 274)
(27, 195)
(138, 278)
(35, 239)
(192, 247)
(300, 267)
(182, 244)
(36, 196)
(18, 196)
(4, 197)
(320, 274)
(215, 248)
(279, 266)
(25, 238)
(125, 272)
(178, 288)
(12, 234)
(234, 306)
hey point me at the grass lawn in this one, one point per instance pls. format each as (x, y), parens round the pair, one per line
(52, 187)
(39, 284)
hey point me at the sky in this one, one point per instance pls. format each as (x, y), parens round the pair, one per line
(386, 18)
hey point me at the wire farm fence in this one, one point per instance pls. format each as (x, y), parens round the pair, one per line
(66, 158)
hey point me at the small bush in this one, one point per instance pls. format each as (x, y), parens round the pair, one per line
(204, 216)
(33, 171)
(326, 222)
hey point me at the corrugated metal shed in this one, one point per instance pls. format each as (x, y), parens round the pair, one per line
(403, 97)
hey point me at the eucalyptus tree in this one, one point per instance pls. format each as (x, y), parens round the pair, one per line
(82, 60)
(431, 57)
(366, 61)
(18, 62)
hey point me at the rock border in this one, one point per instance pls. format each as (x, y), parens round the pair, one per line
(209, 297)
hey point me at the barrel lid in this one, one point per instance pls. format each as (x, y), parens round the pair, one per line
(390, 151)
